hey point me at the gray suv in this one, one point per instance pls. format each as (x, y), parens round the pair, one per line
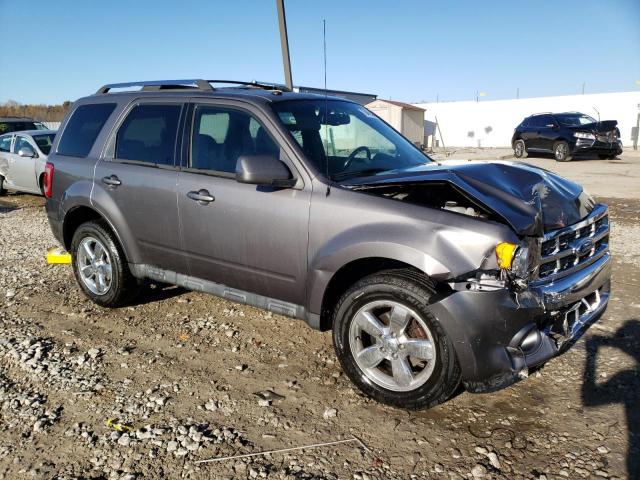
(429, 274)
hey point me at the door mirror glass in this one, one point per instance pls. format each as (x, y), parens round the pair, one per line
(26, 152)
(263, 170)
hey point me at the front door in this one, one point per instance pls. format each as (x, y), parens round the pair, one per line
(243, 236)
(23, 169)
(140, 176)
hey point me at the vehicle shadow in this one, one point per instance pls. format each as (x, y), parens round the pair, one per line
(6, 207)
(622, 388)
(156, 292)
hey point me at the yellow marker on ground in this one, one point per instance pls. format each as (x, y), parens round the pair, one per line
(57, 255)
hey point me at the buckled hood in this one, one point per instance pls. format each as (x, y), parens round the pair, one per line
(531, 200)
(595, 127)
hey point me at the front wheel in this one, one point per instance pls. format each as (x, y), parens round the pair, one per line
(3, 191)
(389, 343)
(100, 267)
(561, 152)
(519, 149)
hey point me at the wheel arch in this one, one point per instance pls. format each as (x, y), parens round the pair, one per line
(356, 270)
(81, 214)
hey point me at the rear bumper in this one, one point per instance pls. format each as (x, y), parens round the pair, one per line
(53, 215)
(500, 335)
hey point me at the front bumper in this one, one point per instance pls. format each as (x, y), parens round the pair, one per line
(500, 335)
(585, 147)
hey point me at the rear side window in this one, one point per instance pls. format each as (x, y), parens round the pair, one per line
(148, 134)
(83, 129)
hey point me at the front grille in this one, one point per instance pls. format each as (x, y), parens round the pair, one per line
(572, 248)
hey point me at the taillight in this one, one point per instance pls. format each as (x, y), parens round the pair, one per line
(48, 180)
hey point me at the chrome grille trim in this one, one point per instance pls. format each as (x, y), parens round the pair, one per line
(572, 248)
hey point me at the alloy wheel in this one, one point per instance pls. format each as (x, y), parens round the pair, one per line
(519, 149)
(561, 151)
(392, 345)
(94, 265)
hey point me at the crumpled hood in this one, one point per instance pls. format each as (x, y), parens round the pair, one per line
(595, 127)
(530, 199)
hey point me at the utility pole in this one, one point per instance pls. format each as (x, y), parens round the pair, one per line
(284, 42)
(518, 93)
(583, 84)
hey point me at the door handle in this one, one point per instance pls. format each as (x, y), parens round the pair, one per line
(202, 196)
(112, 181)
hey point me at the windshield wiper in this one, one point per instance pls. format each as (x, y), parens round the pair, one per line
(357, 173)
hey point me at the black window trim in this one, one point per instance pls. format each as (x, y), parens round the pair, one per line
(61, 132)
(109, 151)
(231, 105)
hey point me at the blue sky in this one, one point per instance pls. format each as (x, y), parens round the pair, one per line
(406, 50)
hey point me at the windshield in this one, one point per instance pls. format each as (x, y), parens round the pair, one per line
(44, 142)
(575, 120)
(346, 139)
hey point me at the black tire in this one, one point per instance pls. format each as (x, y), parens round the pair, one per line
(606, 156)
(520, 149)
(411, 290)
(123, 285)
(3, 191)
(561, 152)
(41, 184)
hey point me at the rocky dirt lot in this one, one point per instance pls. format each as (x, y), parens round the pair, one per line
(178, 373)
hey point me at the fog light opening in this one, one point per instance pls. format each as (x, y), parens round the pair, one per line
(531, 341)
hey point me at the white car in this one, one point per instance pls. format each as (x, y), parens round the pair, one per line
(23, 156)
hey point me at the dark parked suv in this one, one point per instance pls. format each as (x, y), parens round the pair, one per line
(566, 135)
(313, 207)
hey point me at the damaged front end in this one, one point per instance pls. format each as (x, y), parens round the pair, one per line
(537, 296)
(556, 287)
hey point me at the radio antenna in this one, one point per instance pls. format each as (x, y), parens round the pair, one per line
(326, 107)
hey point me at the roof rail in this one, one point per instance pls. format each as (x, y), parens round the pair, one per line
(202, 85)
(541, 113)
(159, 85)
(254, 83)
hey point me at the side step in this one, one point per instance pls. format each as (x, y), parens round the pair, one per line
(219, 290)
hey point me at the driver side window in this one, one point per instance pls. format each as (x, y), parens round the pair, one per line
(21, 142)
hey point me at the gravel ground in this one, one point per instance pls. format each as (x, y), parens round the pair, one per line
(146, 391)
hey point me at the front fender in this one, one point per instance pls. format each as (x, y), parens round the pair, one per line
(333, 257)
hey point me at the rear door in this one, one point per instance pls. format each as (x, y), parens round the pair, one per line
(547, 133)
(139, 174)
(247, 237)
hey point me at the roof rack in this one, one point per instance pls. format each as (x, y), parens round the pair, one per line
(159, 85)
(254, 83)
(195, 84)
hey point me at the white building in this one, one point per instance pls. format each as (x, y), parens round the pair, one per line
(406, 118)
(491, 123)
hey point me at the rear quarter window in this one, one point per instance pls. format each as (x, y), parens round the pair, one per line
(83, 128)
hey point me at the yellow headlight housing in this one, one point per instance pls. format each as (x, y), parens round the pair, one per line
(504, 254)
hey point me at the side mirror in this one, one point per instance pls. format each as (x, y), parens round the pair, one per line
(26, 152)
(551, 125)
(263, 170)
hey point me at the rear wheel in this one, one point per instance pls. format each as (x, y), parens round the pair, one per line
(41, 184)
(100, 267)
(389, 343)
(561, 152)
(3, 191)
(519, 149)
